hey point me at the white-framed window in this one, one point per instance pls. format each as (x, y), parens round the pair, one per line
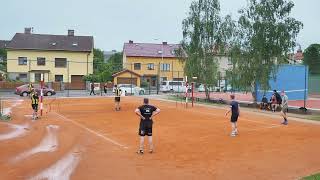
(165, 67)
(150, 66)
(41, 61)
(58, 78)
(37, 77)
(23, 61)
(137, 66)
(60, 62)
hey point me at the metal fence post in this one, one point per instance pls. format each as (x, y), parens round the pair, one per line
(68, 93)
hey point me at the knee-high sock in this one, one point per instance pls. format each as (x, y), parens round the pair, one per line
(141, 143)
(150, 143)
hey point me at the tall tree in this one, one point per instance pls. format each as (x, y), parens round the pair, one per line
(312, 58)
(98, 60)
(204, 32)
(265, 35)
(115, 62)
(3, 57)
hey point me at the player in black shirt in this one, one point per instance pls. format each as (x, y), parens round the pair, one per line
(235, 113)
(146, 112)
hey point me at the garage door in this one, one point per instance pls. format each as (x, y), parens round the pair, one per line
(127, 80)
(77, 82)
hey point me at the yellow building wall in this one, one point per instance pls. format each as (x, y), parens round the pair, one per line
(77, 63)
(176, 66)
(127, 75)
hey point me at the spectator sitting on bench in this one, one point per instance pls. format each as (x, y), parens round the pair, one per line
(264, 103)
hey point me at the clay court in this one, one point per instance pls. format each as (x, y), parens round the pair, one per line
(85, 138)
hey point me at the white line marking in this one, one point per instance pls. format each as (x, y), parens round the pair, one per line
(48, 144)
(258, 129)
(62, 169)
(92, 131)
(18, 131)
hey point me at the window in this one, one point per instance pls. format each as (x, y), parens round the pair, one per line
(137, 66)
(177, 79)
(37, 77)
(175, 83)
(164, 78)
(23, 76)
(60, 62)
(165, 67)
(58, 78)
(151, 66)
(41, 61)
(229, 61)
(22, 60)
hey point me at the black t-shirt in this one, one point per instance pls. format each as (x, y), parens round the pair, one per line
(146, 111)
(235, 108)
(279, 99)
(264, 100)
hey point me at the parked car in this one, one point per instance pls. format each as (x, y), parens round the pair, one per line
(24, 90)
(131, 89)
(174, 86)
(210, 88)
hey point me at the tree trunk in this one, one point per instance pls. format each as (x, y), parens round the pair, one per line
(207, 92)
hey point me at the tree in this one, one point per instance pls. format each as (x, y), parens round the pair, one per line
(102, 72)
(312, 58)
(204, 31)
(265, 35)
(98, 60)
(3, 57)
(115, 62)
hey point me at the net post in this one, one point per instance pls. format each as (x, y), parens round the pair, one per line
(186, 91)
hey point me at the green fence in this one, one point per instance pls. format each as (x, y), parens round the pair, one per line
(314, 84)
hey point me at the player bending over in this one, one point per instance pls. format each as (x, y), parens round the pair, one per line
(235, 113)
(117, 92)
(34, 103)
(146, 112)
(284, 109)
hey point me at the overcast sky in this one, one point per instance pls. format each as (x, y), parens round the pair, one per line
(113, 22)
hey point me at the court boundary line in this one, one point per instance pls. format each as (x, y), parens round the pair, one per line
(92, 131)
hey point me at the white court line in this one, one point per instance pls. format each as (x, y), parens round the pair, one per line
(259, 129)
(48, 144)
(19, 130)
(62, 169)
(92, 131)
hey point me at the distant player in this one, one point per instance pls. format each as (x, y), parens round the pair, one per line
(117, 92)
(284, 109)
(34, 103)
(235, 113)
(146, 112)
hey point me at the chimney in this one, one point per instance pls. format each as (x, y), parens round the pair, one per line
(130, 42)
(70, 32)
(27, 30)
(165, 43)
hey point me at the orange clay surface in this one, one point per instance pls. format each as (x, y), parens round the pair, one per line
(191, 143)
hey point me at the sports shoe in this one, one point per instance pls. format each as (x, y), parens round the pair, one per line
(285, 123)
(151, 151)
(233, 134)
(140, 152)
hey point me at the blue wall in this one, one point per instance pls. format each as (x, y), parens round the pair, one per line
(291, 78)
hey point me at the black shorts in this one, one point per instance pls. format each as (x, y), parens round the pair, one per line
(35, 107)
(117, 99)
(234, 118)
(145, 128)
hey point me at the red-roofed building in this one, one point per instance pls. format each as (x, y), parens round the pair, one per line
(153, 62)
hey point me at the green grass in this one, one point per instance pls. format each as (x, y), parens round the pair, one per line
(312, 177)
(314, 118)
